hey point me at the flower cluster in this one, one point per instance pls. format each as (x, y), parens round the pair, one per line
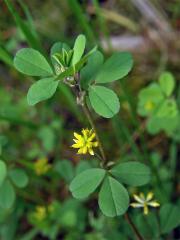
(41, 166)
(144, 202)
(85, 142)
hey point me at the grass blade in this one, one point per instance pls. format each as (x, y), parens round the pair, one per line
(79, 14)
(25, 27)
(5, 57)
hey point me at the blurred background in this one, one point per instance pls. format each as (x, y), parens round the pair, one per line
(36, 140)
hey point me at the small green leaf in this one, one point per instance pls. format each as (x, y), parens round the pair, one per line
(57, 48)
(116, 67)
(167, 124)
(3, 172)
(90, 70)
(41, 90)
(79, 47)
(47, 137)
(32, 62)
(104, 101)
(168, 108)
(167, 83)
(86, 182)
(113, 198)
(65, 169)
(169, 217)
(132, 173)
(19, 177)
(7, 195)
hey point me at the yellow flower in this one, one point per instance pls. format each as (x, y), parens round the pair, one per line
(40, 213)
(85, 142)
(144, 202)
(41, 166)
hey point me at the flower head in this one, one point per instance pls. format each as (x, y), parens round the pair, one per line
(85, 141)
(40, 213)
(144, 202)
(41, 166)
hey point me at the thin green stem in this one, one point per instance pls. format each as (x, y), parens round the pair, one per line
(91, 121)
(101, 149)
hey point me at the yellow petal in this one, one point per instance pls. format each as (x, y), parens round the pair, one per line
(85, 133)
(92, 137)
(78, 136)
(138, 199)
(91, 152)
(84, 150)
(76, 145)
(149, 196)
(136, 205)
(80, 151)
(154, 204)
(142, 196)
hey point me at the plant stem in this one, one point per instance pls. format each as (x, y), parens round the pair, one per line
(134, 228)
(101, 149)
(91, 121)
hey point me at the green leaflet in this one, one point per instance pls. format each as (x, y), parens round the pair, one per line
(104, 101)
(169, 217)
(7, 195)
(19, 177)
(79, 48)
(168, 108)
(132, 173)
(113, 198)
(32, 62)
(57, 48)
(86, 182)
(3, 172)
(167, 83)
(65, 169)
(168, 124)
(42, 90)
(89, 72)
(116, 67)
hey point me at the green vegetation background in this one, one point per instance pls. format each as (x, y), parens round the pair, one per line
(35, 141)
